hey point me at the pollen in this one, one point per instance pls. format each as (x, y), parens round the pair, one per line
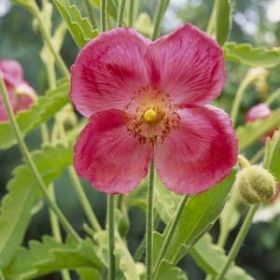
(150, 116)
(153, 116)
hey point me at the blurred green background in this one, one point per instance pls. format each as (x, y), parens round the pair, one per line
(255, 22)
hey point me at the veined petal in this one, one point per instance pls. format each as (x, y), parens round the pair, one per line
(199, 153)
(108, 71)
(188, 65)
(106, 155)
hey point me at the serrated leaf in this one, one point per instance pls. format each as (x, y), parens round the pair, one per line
(79, 27)
(272, 155)
(197, 216)
(251, 132)
(223, 20)
(126, 262)
(211, 258)
(171, 272)
(43, 110)
(48, 256)
(251, 56)
(23, 192)
(126, 267)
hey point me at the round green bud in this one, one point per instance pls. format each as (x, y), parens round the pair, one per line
(256, 184)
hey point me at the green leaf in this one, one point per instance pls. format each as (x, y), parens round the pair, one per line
(126, 267)
(48, 256)
(198, 215)
(272, 155)
(126, 262)
(46, 107)
(223, 20)
(251, 56)
(211, 258)
(89, 274)
(251, 132)
(79, 27)
(15, 211)
(172, 272)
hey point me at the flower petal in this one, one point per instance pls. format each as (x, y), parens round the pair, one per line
(12, 72)
(108, 71)
(106, 155)
(25, 96)
(198, 154)
(188, 65)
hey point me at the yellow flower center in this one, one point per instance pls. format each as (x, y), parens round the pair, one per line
(150, 116)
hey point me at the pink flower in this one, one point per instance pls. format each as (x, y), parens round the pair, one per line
(147, 101)
(260, 111)
(22, 96)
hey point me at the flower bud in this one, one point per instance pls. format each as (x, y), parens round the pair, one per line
(256, 184)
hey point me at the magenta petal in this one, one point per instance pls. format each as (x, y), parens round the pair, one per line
(198, 154)
(12, 71)
(108, 71)
(106, 155)
(188, 65)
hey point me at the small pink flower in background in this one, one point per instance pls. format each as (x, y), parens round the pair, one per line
(22, 96)
(147, 101)
(259, 112)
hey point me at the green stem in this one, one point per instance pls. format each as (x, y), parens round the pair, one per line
(169, 234)
(56, 230)
(238, 241)
(160, 11)
(103, 15)
(238, 98)
(273, 97)
(121, 13)
(59, 61)
(225, 222)
(46, 140)
(90, 12)
(28, 158)
(131, 13)
(111, 231)
(257, 156)
(141, 248)
(149, 223)
(211, 22)
(84, 200)
(2, 277)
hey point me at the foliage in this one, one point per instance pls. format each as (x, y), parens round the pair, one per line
(22, 256)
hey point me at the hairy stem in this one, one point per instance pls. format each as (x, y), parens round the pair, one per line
(28, 158)
(131, 13)
(169, 233)
(111, 230)
(59, 61)
(103, 15)
(149, 223)
(238, 98)
(121, 13)
(160, 11)
(84, 200)
(238, 241)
